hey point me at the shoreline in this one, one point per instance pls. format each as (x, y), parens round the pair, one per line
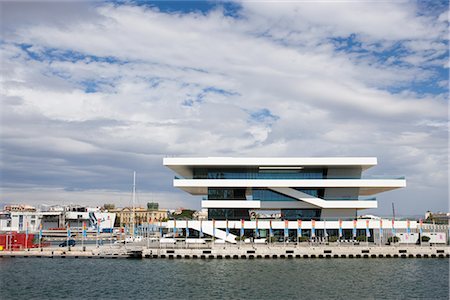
(238, 252)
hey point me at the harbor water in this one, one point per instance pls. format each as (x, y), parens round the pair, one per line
(58, 278)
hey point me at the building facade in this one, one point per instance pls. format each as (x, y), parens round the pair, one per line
(320, 195)
(301, 188)
(141, 216)
(55, 218)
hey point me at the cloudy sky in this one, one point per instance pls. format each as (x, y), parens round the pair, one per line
(94, 90)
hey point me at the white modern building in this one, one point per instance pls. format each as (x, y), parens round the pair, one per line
(322, 192)
(301, 188)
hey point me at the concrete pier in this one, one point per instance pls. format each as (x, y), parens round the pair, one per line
(300, 252)
(239, 252)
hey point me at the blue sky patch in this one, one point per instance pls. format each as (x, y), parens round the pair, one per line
(263, 116)
(212, 89)
(90, 86)
(230, 9)
(52, 54)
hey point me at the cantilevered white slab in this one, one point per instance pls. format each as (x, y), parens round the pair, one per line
(256, 204)
(367, 186)
(275, 224)
(184, 165)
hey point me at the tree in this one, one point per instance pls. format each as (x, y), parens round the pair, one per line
(109, 206)
(186, 214)
(425, 238)
(393, 239)
(152, 205)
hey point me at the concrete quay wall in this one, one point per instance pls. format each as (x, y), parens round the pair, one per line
(51, 253)
(300, 252)
(239, 252)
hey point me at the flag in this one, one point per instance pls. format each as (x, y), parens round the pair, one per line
(201, 229)
(84, 229)
(242, 227)
(408, 228)
(313, 228)
(68, 231)
(325, 228)
(227, 229)
(381, 227)
(286, 228)
(214, 227)
(340, 228)
(367, 229)
(160, 228)
(175, 227)
(420, 226)
(270, 228)
(354, 228)
(40, 231)
(393, 227)
(299, 229)
(187, 229)
(257, 230)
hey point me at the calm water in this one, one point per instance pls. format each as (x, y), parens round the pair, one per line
(44, 278)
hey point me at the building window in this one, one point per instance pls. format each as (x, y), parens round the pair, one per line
(226, 193)
(269, 195)
(319, 193)
(300, 214)
(236, 173)
(228, 214)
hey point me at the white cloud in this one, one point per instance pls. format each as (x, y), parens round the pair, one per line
(188, 84)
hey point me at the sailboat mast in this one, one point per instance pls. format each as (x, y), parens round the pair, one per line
(133, 208)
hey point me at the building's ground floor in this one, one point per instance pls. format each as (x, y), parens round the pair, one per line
(371, 230)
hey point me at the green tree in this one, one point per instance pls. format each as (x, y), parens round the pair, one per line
(186, 214)
(109, 206)
(152, 205)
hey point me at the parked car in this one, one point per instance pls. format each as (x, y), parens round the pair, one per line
(71, 243)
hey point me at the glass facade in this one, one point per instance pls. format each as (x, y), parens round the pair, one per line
(226, 193)
(228, 214)
(260, 194)
(269, 195)
(300, 214)
(235, 173)
(319, 193)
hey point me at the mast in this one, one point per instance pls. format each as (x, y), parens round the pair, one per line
(133, 208)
